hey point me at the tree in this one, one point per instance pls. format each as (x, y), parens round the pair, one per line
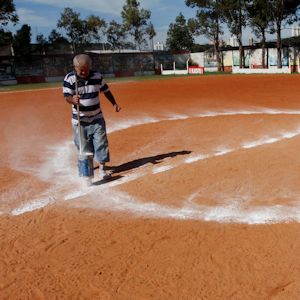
(21, 41)
(80, 32)
(8, 12)
(135, 20)
(57, 42)
(55, 38)
(94, 28)
(42, 43)
(151, 33)
(6, 37)
(69, 20)
(207, 22)
(235, 17)
(179, 36)
(259, 15)
(116, 35)
(283, 11)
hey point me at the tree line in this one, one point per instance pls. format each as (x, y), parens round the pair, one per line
(262, 16)
(211, 16)
(79, 32)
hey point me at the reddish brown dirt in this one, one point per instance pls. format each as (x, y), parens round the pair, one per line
(71, 250)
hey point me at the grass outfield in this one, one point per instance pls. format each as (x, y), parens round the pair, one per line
(30, 86)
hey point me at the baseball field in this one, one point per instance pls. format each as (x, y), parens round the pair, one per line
(204, 201)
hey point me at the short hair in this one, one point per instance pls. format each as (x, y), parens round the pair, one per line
(82, 60)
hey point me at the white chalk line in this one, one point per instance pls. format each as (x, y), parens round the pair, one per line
(30, 90)
(33, 205)
(119, 201)
(196, 212)
(122, 202)
(208, 114)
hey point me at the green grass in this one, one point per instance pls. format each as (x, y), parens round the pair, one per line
(29, 86)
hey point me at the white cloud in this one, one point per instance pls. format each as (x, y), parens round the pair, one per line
(29, 17)
(112, 7)
(151, 4)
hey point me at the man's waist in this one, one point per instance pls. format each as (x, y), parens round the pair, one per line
(84, 120)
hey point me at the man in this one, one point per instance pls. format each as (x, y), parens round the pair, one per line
(89, 83)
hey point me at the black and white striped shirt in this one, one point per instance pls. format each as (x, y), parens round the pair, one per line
(88, 89)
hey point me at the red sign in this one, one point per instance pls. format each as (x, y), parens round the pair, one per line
(196, 70)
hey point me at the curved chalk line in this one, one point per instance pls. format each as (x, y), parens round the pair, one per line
(123, 202)
(208, 114)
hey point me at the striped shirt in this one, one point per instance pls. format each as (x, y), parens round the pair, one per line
(88, 89)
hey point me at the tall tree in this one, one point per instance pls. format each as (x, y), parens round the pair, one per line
(80, 32)
(235, 18)
(42, 43)
(8, 12)
(259, 16)
(94, 28)
(21, 41)
(135, 20)
(151, 33)
(208, 23)
(283, 12)
(72, 24)
(57, 42)
(56, 38)
(179, 36)
(7, 15)
(6, 37)
(116, 35)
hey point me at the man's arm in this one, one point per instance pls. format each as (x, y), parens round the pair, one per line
(69, 89)
(112, 100)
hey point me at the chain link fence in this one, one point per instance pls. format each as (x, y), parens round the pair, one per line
(44, 68)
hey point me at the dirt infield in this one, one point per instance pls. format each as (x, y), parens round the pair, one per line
(204, 201)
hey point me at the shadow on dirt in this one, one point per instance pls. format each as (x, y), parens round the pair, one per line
(146, 160)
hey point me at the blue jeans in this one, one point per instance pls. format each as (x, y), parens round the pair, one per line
(93, 139)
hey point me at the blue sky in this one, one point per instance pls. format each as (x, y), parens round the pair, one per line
(42, 15)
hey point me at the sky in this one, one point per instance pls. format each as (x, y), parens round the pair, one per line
(42, 15)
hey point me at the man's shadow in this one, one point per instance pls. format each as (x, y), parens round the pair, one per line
(143, 161)
(113, 170)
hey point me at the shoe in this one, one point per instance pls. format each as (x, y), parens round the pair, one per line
(103, 174)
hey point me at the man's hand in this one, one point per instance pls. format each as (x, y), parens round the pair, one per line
(73, 99)
(117, 107)
(112, 100)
